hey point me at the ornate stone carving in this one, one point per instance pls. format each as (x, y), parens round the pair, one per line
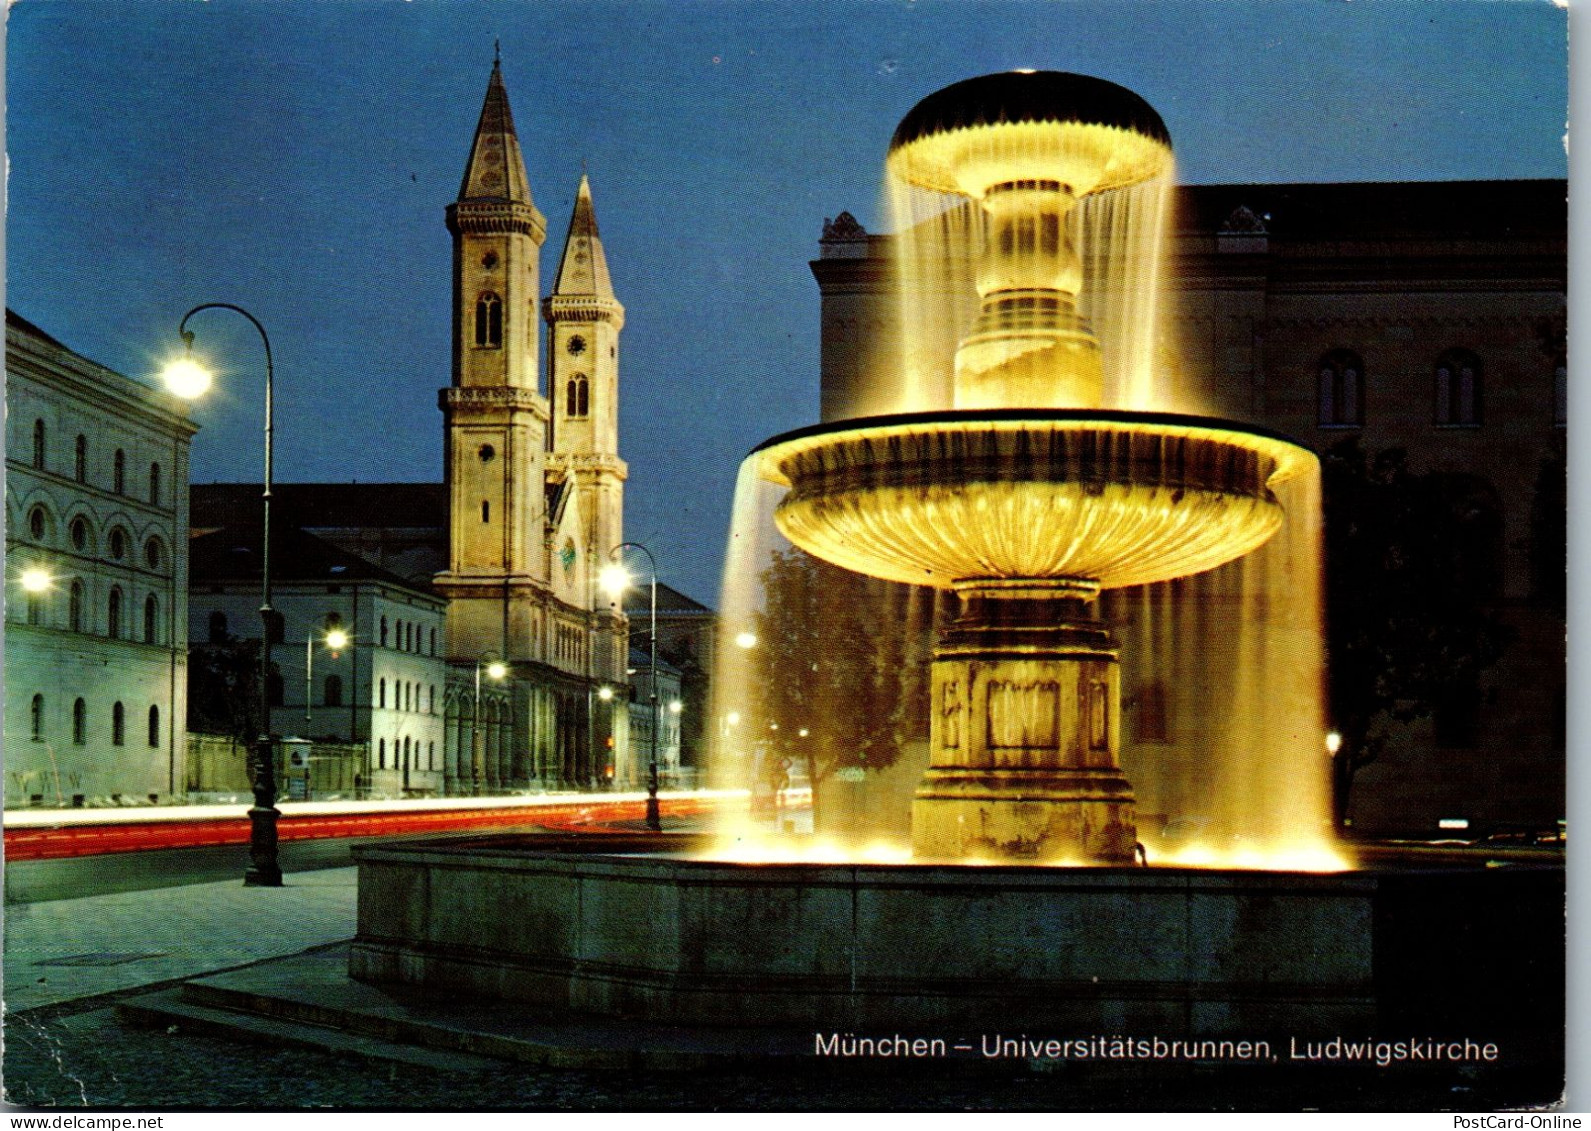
(843, 227)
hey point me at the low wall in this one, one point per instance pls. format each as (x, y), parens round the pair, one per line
(1104, 950)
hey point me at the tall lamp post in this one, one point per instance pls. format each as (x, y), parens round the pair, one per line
(336, 640)
(496, 669)
(187, 378)
(615, 580)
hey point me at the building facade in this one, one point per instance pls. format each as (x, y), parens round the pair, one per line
(96, 581)
(1422, 317)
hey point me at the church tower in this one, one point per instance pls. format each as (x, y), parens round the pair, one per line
(583, 323)
(496, 419)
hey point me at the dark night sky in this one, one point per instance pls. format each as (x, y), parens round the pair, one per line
(296, 159)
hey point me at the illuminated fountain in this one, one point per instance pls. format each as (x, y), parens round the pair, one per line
(1027, 498)
(1026, 490)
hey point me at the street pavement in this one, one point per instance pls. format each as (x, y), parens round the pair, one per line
(68, 949)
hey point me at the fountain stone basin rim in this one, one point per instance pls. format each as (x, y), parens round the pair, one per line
(1068, 500)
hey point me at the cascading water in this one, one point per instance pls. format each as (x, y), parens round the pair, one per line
(1001, 299)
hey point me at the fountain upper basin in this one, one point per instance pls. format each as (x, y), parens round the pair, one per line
(1086, 499)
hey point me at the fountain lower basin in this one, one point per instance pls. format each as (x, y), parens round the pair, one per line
(629, 926)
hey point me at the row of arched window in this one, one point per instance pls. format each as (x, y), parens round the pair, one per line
(80, 462)
(1457, 390)
(403, 750)
(119, 622)
(83, 538)
(39, 725)
(407, 637)
(406, 696)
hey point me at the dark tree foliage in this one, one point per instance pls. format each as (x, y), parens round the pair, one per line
(831, 661)
(1413, 565)
(224, 689)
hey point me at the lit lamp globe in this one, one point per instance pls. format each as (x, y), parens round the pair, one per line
(35, 580)
(187, 378)
(605, 693)
(614, 579)
(496, 669)
(336, 640)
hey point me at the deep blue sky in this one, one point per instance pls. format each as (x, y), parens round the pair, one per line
(296, 159)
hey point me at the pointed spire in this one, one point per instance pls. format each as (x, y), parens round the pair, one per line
(584, 267)
(496, 169)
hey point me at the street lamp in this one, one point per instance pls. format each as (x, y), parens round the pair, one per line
(187, 378)
(35, 580)
(615, 579)
(335, 640)
(495, 670)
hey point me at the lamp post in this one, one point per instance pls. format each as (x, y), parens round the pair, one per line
(615, 580)
(496, 669)
(335, 639)
(187, 378)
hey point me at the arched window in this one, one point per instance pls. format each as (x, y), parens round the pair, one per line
(488, 320)
(152, 553)
(79, 723)
(381, 754)
(383, 632)
(1458, 390)
(433, 641)
(74, 606)
(334, 691)
(1340, 390)
(431, 699)
(154, 725)
(218, 633)
(154, 484)
(382, 700)
(80, 458)
(113, 613)
(118, 724)
(119, 473)
(36, 718)
(38, 444)
(486, 511)
(151, 620)
(1560, 392)
(79, 534)
(118, 543)
(577, 396)
(397, 636)
(430, 755)
(38, 524)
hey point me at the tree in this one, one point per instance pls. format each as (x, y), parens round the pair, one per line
(1413, 563)
(224, 689)
(836, 692)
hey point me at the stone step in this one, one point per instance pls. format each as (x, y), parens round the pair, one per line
(310, 994)
(172, 1009)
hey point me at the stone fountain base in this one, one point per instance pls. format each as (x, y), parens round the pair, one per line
(603, 929)
(1024, 734)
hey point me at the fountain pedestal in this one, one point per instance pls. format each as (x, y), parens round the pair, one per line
(1024, 734)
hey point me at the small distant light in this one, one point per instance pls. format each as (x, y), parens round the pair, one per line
(1453, 823)
(733, 718)
(1024, 70)
(604, 693)
(187, 378)
(675, 707)
(803, 732)
(336, 640)
(497, 669)
(1333, 742)
(35, 580)
(746, 640)
(773, 726)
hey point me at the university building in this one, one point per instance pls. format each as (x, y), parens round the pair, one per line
(1427, 317)
(96, 661)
